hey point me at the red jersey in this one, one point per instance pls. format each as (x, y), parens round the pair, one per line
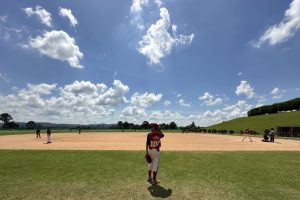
(153, 140)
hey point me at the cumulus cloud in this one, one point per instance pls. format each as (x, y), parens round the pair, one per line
(43, 15)
(158, 42)
(4, 78)
(113, 96)
(184, 104)
(78, 102)
(137, 5)
(246, 89)
(138, 104)
(229, 112)
(210, 100)
(167, 103)
(277, 93)
(58, 45)
(145, 100)
(282, 31)
(64, 12)
(166, 116)
(40, 89)
(133, 111)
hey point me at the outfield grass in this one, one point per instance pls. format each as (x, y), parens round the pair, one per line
(260, 122)
(122, 175)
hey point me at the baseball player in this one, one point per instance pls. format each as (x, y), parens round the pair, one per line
(38, 133)
(152, 148)
(48, 136)
(247, 134)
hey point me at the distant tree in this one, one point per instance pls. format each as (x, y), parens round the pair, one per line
(145, 125)
(5, 117)
(31, 125)
(10, 125)
(231, 131)
(193, 125)
(120, 125)
(173, 125)
(126, 125)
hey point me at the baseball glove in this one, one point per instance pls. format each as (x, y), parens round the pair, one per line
(148, 158)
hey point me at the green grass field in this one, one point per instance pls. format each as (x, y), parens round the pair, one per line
(261, 122)
(122, 175)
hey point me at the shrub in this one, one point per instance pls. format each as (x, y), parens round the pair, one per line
(231, 131)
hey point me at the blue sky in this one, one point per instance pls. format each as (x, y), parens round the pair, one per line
(155, 60)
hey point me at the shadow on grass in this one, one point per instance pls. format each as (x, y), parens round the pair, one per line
(159, 191)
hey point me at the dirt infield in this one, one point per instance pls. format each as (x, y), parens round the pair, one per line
(136, 141)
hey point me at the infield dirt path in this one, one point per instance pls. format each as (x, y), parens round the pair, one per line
(136, 141)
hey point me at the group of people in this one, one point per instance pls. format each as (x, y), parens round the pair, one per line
(38, 135)
(269, 135)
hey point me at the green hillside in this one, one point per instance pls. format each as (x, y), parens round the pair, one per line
(260, 122)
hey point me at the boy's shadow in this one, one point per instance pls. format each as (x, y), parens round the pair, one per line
(159, 191)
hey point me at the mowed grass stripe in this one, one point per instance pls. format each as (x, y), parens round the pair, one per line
(122, 175)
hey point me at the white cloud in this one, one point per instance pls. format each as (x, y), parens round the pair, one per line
(113, 96)
(284, 30)
(184, 104)
(78, 102)
(145, 100)
(236, 110)
(240, 73)
(246, 89)
(43, 15)
(167, 103)
(277, 96)
(135, 112)
(42, 88)
(64, 12)
(210, 100)
(3, 18)
(58, 45)
(275, 91)
(4, 78)
(158, 42)
(137, 5)
(138, 103)
(166, 117)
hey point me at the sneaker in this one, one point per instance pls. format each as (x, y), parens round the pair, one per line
(149, 180)
(155, 181)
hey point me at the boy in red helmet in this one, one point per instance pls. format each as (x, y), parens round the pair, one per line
(152, 148)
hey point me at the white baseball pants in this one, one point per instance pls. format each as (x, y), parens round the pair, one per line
(154, 153)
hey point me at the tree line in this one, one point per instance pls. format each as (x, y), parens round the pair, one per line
(8, 122)
(290, 105)
(145, 125)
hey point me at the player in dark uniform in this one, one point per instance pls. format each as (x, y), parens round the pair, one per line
(152, 148)
(38, 133)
